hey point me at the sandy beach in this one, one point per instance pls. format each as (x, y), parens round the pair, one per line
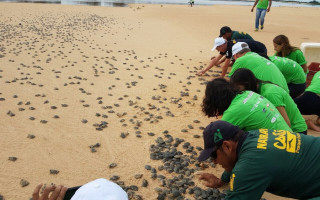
(75, 76)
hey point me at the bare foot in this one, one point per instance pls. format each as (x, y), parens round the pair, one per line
(312, 125)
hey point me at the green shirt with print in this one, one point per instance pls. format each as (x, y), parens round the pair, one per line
(251, 111)
(291, 70)
(262, 68)
(280, 98)
(240, 35)
(263, 4)
(279, 162)
(315, 84)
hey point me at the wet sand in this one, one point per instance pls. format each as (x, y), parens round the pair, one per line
(84, 87)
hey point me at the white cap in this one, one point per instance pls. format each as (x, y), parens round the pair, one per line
(218, 42)
(237, 47)
(100, 189)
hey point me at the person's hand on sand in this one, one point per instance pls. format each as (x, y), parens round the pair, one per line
(57, 192)
(200, 73)
(211, 180)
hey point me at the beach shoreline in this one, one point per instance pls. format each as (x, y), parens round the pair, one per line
(75, 76)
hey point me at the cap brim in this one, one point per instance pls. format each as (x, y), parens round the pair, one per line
(214, 48)
(220, 35)
(205, 154)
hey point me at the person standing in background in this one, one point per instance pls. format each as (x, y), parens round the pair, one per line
(262, 9)
(191, 2)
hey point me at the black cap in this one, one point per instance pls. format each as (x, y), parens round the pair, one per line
(214, 135)
(224, 30)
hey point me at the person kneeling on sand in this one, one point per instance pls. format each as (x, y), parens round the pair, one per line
(309, 102)
(244, 79)
(277, 161)
(228, 34)
(225, 49)
(99, 189)
(246, 109)
(261, 67)
(283, 48)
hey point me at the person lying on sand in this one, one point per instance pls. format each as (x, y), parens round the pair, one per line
(277, 161)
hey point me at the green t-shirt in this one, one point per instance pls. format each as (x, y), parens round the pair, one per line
(263, 4)
(280, 98)
(262, 68)
(282, 163)
(297, 56)
(291, 70)
(240, 35)
(251, 111)
(315, 84)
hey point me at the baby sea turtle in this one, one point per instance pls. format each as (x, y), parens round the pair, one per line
(12, 158)
(11, 114)
(112, 165)
(54, 171)
(138, 176)
(30, 136)
(114, 178)
(24, 183)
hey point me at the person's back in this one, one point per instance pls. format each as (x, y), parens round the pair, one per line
(240, 35)
(297, 56)
(283, 163)
(291, 70)
(280, 98)
(262, 68)
(251, 111)
(315, 84)
(254, 46)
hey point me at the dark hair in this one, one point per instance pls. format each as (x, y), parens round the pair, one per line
(287, 48)
(264, 55)
(246, 78)
(218, 96)
(238, 135)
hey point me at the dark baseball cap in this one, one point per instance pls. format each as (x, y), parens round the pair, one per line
(224, 30)
(214, 135)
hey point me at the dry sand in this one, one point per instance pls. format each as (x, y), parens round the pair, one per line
(134, 66)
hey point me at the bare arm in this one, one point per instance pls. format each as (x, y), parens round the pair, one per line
(304, 67)
(254, 5)
(270, 2)
(221, 60)
(211, 64)
(211, 180)
(225, 67)
(283, 112)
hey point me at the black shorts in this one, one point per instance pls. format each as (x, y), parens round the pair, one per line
(308, 103)
(296, 89)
